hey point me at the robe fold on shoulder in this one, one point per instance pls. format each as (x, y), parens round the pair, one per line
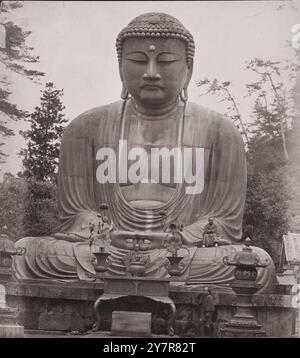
(80, 194)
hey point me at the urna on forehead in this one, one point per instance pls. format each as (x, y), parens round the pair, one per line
(157, 25)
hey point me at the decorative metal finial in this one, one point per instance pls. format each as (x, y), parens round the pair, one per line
(173, 244)
(136, 260)
(248, 242)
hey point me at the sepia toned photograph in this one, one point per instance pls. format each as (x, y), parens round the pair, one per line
(150, 171)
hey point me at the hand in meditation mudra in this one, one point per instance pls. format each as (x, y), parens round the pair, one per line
(118, 154)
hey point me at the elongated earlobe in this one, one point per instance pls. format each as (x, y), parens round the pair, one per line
(124, 93)
(184, 95)
(184, 92)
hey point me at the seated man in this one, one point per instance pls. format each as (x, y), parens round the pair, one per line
(150, 153)
(210, 234)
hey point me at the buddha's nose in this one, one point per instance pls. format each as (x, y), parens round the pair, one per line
(152, 72)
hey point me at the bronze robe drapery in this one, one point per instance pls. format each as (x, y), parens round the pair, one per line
(224, 191)
(80, 194)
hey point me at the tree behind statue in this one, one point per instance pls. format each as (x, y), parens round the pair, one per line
(15, 56)
(28, 207)
(43, 138)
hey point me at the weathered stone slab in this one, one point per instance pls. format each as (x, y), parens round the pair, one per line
(272, 300)
(135, 324)
(140, 286)
(240, 333)
(2, 296)
(277, 321)
(11, 331)
(77, 290)
(54, 321)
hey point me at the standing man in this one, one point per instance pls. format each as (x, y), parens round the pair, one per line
(207, 308)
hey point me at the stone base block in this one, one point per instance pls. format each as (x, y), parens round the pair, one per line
(46, 305)
(11, 331)
(133, 324)
(242, 333)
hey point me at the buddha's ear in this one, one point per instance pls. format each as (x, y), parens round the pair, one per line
(189, 75)
(124, 93)
(120, 72)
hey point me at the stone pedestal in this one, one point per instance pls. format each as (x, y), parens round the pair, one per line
(68, 306)
(8, 319)
(156, 290)
(243, 323)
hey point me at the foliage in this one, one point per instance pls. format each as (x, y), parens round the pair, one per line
(267, 202)
(43, 137)
(15, 57)
(27, 207)
(271, 110)
(223, 92)
(273, 192)
(41, 208)
(292, 179)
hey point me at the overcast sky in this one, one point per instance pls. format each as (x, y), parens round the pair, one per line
(76, 45)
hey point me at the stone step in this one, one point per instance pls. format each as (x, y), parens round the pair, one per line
(101, 334)
(11, 331)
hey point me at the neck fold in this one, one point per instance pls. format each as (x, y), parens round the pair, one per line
(155, 112)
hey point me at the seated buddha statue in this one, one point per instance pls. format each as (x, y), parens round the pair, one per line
(118, 154)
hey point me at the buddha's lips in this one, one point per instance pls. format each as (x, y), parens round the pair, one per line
(152, 86)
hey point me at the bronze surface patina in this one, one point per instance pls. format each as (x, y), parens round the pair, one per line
(156, 54)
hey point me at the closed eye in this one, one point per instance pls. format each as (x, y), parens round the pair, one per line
(167, 57)
(137, 57)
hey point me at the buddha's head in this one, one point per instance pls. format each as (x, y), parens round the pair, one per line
(155, 53)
